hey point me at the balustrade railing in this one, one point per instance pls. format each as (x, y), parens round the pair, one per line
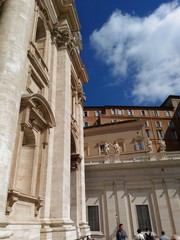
(128, 158)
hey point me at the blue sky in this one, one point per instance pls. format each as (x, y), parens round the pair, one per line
(131, 50)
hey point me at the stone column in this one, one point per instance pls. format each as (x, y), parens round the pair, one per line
(15, 29)
(60, 202)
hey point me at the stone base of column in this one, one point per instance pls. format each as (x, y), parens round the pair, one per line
(5, 234)
(21, 231)
(84, 229)
(55, 229)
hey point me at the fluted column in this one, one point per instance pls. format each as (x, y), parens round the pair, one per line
(15, 28)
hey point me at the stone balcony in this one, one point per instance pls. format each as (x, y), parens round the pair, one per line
(131, 158)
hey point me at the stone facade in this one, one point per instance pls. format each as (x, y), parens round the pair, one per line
(42, 190)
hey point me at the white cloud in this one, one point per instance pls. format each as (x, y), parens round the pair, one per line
(147, 48)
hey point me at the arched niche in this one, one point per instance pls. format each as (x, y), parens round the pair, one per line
(27, 172)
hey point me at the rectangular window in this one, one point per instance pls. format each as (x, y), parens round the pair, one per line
(143, 217)
(148, 134)
(139, 146)
(85, 114)
(85, 124)
(158, 124)
(160, 134)
(143, 112)
(112, 111)
(167, 113)
(171, 124)
(97, 113)
(156, 113)
(102, 148)
(93, 218)
(120, 112)
(174, 135)
(130, 112)
(146, 124)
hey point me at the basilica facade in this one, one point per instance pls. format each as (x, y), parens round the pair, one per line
(42, 187)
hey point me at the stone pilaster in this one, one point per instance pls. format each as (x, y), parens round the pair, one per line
(60, 203)
(15, 29)
(84, 228)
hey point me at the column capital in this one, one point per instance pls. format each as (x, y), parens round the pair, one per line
(65, 38)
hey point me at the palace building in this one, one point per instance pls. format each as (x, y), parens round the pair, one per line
(132, 159)
(42, 189)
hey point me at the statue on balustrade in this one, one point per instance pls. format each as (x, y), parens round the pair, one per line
(162, 145)
(106, 148)
(116, 147)
(149, 145)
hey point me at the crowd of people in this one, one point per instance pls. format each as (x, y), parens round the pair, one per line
(148, 235)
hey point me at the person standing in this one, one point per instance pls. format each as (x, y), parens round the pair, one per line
(139, 236)
(121, 234)
(163, 236)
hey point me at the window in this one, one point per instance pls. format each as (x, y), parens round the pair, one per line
(160, 134)
(174, 135)
(139, 146)
(40, 37)
(143, 112)
(85, 124)
(158, 124)
(93, 218)
(171, 124)
(156, 113)
(146, 124)
(102, 148)
(113, 111)
(130, 112)
(97, 113)
(148, 134)
(167, 113)
(143, 217)
(85, 114)
(116, 112)
(120, 112)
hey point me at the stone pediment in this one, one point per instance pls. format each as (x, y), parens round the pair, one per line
(37, 112)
